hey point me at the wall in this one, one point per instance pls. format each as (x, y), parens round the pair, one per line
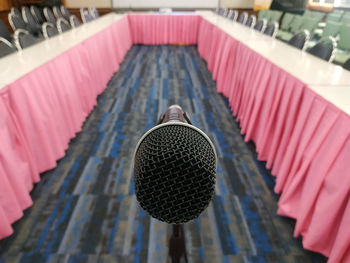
(4, 5)
(190, 4)
(87, 3)
(237, 3)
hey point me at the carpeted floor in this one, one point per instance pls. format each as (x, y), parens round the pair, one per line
(85, 210)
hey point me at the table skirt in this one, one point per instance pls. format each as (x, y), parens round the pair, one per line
(42, 111)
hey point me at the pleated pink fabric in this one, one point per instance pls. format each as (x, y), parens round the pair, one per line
(151, 29)
(304, 139)
(42, 111)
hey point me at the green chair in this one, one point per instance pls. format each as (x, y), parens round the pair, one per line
(334, 17)
(262, 14)
(310, 23)
(343, 48)
(295, 27)
(286, 21)
(318, 15)
(338, 11)
(275, 16)
(345, 19)
(331, 29)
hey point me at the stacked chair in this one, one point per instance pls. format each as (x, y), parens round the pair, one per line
(32, 24)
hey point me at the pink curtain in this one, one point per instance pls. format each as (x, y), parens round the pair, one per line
(151, 29)
(43, 110)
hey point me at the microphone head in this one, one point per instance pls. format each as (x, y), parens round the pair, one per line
(174, 172)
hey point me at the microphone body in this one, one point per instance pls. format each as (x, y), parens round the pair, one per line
(174, 169)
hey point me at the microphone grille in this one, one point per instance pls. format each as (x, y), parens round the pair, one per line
(174, 171)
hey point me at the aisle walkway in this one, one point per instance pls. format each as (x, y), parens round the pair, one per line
(85, 210)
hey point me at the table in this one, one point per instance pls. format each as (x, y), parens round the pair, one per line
(295, 108)
(293, 105)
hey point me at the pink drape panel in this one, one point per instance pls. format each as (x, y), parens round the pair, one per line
(43, 110)
(304, 139)
(164, 29)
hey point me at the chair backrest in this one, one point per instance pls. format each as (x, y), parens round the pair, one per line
(225, 12)
(24, 39)
(57, 12)
(65, 12)
(334, 17)
(16, 11)
(37, 14)
(242, 18)
(300, 39)
(16, 21)
(331, 29)
(4, 32)
(346, 65)
(251, 21)
(49, 15)
(94, 12)
(85, 15)
(345, 19)
(295, 26)
(261, 25)
(275, 16)
(49, 30)
(318, 15)
(63, 25)
(234, 15)
(310, 23)
(31, 22)
(344, 37)
(262, 14)
(287, 21)
(74, 21)
(324, 49)
(271, 29)
(6, 47)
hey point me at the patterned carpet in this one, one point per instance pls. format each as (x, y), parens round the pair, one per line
(85, 210)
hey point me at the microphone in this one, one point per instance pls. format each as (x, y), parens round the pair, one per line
(174, 169)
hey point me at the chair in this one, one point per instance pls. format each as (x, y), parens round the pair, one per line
(225, 12)
(74, 21)
(65, 12)
(242, 18)
(24, 39)
(286, 21)
(324, 49)
(63, 25)
(275, 16)
(37, 14)
(31, 22)
(233, 14)
(251, 21)
(331, 29)
(346, 65)
(49, 30)
(4, 32)
(94, 12)
(85, 16)
(271, 29)
(16, 21)
(343, 48)
(15, 11)
(57, 12)
(49, 15)
(310, 23)
(300, 39)
(334, 16)
(6, 47)
(260, 25)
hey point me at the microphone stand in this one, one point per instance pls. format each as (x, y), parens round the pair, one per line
(177, 247)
